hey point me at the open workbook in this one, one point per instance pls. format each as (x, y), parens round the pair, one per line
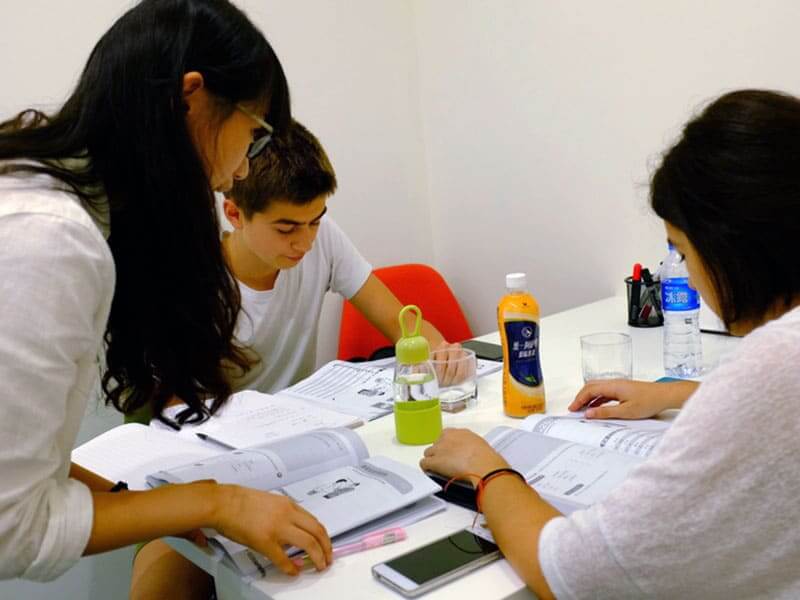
(131, 452)
(572, 462)
(328, 472)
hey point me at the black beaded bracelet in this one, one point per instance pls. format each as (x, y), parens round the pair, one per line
(119, 486)
(489, 477)
(491, 474)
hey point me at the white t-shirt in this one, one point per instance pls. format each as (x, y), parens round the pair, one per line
(281, 324)
(715, 512)
(56, 285)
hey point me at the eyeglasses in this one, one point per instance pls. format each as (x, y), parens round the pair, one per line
(258, 145)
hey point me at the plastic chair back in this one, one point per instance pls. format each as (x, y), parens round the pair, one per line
(412, 284)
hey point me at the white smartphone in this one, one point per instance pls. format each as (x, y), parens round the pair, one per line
(421, 570)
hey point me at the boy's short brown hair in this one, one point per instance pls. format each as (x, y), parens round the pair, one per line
(293, 167)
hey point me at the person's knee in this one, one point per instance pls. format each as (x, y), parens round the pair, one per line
(161, 572)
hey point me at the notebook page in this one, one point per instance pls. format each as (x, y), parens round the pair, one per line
(133, 451)
(256, 418)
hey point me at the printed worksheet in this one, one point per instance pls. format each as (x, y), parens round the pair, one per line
(635, 437)
(568, 475)
(362, 389)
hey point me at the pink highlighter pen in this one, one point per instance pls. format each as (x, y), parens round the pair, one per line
(375, 539)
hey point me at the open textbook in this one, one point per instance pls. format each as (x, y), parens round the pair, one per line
(328, 472)
(363, 389)
(571, 462)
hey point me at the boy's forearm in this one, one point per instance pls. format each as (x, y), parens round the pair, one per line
(435, 339)
(125, 518)
(381, 308)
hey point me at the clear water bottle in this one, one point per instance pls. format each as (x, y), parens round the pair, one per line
(683, 353)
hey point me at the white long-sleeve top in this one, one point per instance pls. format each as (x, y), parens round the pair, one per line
(715, 511)
(56, 285)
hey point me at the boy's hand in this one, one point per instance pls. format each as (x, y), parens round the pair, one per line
(449, 369)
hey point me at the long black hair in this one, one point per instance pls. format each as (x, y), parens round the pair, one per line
(731, 184)
(170, 331)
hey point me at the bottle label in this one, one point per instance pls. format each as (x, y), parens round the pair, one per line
(523, 351)
(676, 295)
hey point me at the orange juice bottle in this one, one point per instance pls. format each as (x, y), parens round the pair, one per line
(518, 322)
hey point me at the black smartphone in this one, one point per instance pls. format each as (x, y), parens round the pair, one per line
(485, 350)
(426, 568)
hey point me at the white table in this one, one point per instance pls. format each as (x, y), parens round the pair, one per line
(350, 577)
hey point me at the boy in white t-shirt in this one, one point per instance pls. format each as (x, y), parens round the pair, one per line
(286, 253)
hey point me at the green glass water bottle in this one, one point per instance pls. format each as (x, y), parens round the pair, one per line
(417, 414)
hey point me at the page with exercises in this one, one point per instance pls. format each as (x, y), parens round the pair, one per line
(131, 452)
(364, 389)
(637, 438)
(569, 475)
(272, 465)
(350, 496)
(250, 418)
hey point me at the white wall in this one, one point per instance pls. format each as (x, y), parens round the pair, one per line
(540, 118)
(352, 71)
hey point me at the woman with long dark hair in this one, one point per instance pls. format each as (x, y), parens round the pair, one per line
(713, 512)
(110, 250)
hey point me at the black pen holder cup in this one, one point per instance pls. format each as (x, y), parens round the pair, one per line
(648, 313)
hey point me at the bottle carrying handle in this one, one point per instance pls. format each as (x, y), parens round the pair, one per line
(417, 322)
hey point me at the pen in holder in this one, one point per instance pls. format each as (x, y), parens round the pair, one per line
(417, 412)
(644, 300)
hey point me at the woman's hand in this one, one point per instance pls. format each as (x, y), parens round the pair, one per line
(267, 522)
(460, 451)
(637, 399)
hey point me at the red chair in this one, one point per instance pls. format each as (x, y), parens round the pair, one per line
(412, 284)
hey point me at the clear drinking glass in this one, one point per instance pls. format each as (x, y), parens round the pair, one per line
(606, 356)
(457, 374)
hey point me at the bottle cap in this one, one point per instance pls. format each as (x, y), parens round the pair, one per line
(413, 348)
(516, 281)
